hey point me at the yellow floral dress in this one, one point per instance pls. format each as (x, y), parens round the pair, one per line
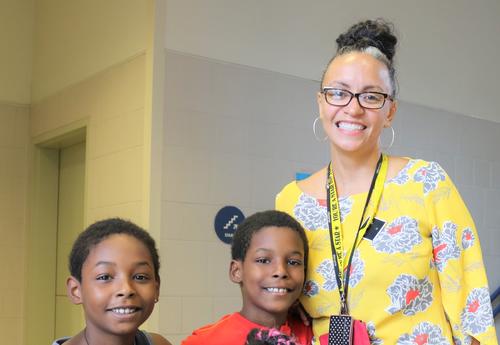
(416, 278)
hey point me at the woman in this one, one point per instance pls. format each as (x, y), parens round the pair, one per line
(412, 264)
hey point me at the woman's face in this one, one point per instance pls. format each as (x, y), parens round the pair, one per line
(352, 128)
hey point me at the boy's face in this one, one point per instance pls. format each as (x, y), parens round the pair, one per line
(271, 276)
(118, 288)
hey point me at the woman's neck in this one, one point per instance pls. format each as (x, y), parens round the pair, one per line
(353, 172)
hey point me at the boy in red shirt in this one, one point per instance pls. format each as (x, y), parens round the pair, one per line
(269, 258)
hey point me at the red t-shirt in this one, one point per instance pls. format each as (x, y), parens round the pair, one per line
(233, 329)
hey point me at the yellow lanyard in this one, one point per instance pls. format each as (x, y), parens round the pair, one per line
(376, 188)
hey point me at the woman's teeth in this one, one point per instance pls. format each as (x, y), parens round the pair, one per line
(350, 126)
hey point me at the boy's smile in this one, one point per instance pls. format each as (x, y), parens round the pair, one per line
(271, 275)
(118, 288)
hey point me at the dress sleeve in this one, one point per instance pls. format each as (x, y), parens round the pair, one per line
(458, 260)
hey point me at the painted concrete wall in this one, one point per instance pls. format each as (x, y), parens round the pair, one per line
(447, 57)
(14, 139)
(16, 35)
(74, 40)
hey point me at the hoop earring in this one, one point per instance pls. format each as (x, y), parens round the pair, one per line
(314, 130)
(392, 140)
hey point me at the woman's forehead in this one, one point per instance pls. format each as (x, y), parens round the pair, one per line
(355, 69)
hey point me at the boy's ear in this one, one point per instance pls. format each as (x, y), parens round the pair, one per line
(74, 291)
(235, 271)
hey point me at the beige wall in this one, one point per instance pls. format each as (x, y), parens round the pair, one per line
(93, 66)
(76, 39)
(13, 187)
(16, 37)
(112, 103)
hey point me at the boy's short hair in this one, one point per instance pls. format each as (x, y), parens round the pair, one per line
(98, 232)
(243, 235)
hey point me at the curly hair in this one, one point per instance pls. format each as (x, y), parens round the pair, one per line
(375, 37)
(269, 337)
(98, 232)
(252, 224)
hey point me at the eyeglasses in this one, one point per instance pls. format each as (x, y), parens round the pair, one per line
(367, 100)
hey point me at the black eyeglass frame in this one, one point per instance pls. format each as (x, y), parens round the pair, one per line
(356, 95)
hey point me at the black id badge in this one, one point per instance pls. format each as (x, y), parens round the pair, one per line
(340, 331)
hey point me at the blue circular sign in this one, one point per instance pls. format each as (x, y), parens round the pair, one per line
(226, 222)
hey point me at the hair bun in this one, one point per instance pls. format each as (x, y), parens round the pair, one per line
(371, 33)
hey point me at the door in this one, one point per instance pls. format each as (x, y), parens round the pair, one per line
(68, 318)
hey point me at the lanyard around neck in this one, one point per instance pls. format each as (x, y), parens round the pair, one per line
(334, 224)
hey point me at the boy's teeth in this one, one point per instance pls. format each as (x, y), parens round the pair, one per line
(349, 126)
(276, 290)
(124, 310)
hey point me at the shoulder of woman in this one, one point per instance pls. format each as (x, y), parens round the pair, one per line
(314, 185)
(396, 164)
(158, 339)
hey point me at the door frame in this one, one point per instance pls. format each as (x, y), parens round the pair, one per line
(41, 241)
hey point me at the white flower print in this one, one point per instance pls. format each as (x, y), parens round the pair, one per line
(400, 236)
(409, 295)
(445, 245)
(430, 176)
(357, 270)
(425, 333)
(327, 271)
(467, 340)
(402, 177)
(345, 205)
(477, 315)
(310, 213)
(374, 340)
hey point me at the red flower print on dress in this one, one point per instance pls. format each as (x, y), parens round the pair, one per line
(425, 333)
(477, 315)
(430, 176)
(409, 295)
(310, 288)
(445, 245)
(467, 238)
(399, 236)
